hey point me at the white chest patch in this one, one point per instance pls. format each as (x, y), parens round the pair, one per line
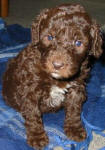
(57, 95)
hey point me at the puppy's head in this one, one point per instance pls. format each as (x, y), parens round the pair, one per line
(65, 35)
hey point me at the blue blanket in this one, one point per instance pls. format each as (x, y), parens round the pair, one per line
(13, 38)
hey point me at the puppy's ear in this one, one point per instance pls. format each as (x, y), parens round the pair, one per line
(35, 28)
(96, 48)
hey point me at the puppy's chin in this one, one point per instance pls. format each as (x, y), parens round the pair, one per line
(56, 75)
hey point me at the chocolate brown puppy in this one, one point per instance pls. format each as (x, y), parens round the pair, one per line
(51, 72)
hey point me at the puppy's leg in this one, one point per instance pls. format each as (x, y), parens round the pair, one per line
(36, 136)
(73, 126)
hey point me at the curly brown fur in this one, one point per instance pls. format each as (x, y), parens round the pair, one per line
(51, 72)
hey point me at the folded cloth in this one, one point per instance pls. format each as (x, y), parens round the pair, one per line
(13, 38)
(94, 108)
(12, 130)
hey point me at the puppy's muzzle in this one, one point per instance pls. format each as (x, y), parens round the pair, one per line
(57, 64)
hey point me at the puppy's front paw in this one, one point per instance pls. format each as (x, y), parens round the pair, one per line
(38, 142)
(76, 134)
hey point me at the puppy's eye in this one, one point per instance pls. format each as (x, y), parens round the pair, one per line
(78, 43)
(50, 37)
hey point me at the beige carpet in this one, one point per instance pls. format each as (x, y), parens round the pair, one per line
(23, 11)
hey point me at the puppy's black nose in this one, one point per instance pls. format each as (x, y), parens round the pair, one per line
(57, 64)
